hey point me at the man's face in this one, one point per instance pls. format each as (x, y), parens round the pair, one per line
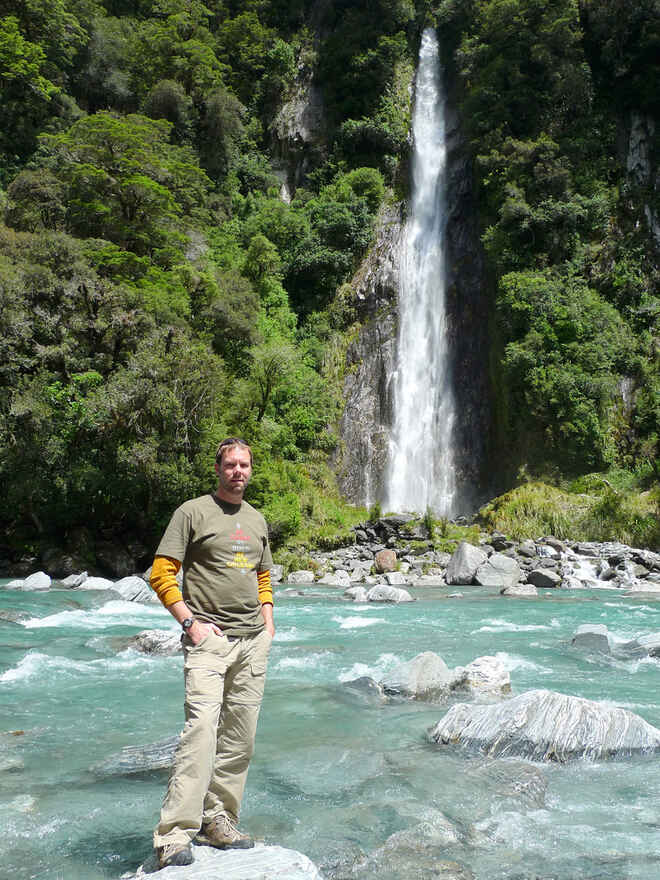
(234, 472)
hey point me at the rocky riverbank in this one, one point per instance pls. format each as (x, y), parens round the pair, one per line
(393, 553)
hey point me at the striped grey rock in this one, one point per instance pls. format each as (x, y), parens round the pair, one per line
(464, 563)
(261, 863)
(498, 571)
(547, 726)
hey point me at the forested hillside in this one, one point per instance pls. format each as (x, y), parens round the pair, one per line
(175, 266)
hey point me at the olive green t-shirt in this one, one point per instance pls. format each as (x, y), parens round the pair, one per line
(221, 546)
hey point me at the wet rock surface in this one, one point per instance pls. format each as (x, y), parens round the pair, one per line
(547, 726)
(261, 863)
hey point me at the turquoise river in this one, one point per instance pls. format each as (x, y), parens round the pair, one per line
(334, 776)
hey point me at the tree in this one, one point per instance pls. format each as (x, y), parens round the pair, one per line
(125, 182)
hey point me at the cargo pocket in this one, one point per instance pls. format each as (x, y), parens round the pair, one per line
(258, 667)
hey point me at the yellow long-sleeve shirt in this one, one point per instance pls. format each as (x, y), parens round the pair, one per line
(164, 583)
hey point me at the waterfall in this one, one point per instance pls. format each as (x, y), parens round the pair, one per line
(421, 468)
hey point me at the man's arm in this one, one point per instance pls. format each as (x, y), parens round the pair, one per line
(163, 581)
(266, 598)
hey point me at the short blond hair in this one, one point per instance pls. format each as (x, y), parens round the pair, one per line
(229, 443)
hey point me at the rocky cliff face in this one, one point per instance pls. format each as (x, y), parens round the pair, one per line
(370, 363)
(468, 319)
(640, 167)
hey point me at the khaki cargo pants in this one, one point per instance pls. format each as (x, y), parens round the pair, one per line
(224, 678)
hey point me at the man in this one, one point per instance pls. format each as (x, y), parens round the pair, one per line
(226, 611)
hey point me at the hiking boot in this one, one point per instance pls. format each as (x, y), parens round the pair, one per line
(223, 833)
(174, 854)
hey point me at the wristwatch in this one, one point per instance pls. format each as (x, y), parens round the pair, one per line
(187, 623)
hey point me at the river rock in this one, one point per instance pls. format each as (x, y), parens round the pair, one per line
(357, 594)
(96, 583)
(385, 560)
(528, 549)
(520, 590)
(547, 726)
(156, 641)
(385, 593)
(139, 759)
(644, 646)
(431, 580)
(134, 589)
(396, 578)
(14, 584)
(366, 687)
(339, 578)
(487, 675)
(647, 558)
(303, 576)
(414, 853)
(645, 586)
(276, 573)
(10, 615)
(260, 863)
(37, 581)
(592, 637)
(72, 581)
(498, 571)
(425, 677)
(543, 577)
(464, 563)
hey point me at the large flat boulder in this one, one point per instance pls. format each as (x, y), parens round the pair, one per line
(464, 562)
(547, 726)
(261, 863)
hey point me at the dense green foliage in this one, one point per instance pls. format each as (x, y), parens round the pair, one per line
(157, 292)
(549, 92)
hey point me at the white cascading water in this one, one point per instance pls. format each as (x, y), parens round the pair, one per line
(421, 462)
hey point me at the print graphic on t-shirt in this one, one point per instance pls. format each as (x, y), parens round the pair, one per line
(240, 543)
